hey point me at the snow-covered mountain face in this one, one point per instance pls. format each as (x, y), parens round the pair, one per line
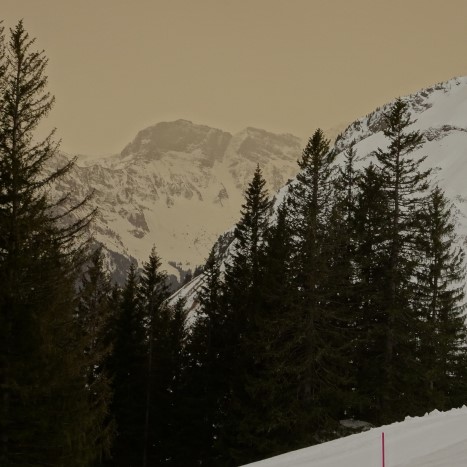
(177, 186)
(440, 112)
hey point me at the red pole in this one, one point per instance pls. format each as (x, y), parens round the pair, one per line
(382, 447)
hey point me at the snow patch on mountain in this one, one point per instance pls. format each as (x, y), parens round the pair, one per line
(178, 186)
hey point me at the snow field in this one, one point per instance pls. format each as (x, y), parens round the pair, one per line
(438, 439)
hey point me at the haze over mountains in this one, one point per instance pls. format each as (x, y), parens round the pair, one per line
(178, 186)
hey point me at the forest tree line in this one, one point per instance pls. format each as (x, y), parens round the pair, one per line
(345, 301)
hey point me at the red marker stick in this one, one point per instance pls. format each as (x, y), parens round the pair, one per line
(382, 448)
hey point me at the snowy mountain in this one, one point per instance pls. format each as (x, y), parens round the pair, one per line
(436, 440)
(440, 112)
(177, 186)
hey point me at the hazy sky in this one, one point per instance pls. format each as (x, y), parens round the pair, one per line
(117, 66)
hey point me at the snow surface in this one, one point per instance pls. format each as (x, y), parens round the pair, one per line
(438, 439)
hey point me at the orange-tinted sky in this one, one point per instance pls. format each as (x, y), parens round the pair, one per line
(117, 66)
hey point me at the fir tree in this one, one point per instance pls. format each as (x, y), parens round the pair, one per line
(243, 273)
(271, 420)
(321, 353)
(440, 301)
(128, 370)
(93, 315)
(46, 413)
(209, 368)
(346, 187)
(177, 429)
(343, 298)
(153, 291)
(372, 263)
(242, 302)
(405, 185)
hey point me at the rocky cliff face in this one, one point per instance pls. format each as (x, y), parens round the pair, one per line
(177, 186)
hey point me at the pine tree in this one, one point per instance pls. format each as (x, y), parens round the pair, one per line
(128, 370)
(270, 423)
(440, 287)
(343, 297)
(346, 187)
(241, 294)
(321, 353)
(177, 430)
(93, 315)
(250, 232)
(207, 376)
(372, 263)
(153, 291)
(405, 185)
(243, 273)
(46, 413)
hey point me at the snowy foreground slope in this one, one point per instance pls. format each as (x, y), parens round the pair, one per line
(438, 439)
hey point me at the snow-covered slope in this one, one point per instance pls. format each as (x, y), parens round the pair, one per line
(435, 440)
(440, 112)
(177, 186)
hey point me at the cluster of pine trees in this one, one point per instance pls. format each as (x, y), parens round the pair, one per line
(49, 411)
(87, 371)
(348, 305)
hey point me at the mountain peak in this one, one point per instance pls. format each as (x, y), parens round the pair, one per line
(180, 136)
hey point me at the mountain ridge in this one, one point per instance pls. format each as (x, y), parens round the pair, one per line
(440, 112)
(177, 185)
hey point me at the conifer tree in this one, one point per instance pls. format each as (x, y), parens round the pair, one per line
(343, 298)
(241, 296)
(208, 370)
(177, 429)
(243, 273)
(405, 185)
(94, 315)
(310, 203)
(372, 263)
(250, 232)
(346, 186)
(153, 291)
(440, 299)
(128, 370)
(270, 420)
(46, 413)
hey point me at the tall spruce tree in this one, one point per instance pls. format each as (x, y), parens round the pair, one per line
(346, 187)
(127, 367)
(153, 291)
(271, 421)
(177, 429)
(93, 315)
(208, 372)
(343, 298)
(405, 184)
(46, 413)
(242, 303)
(321, 353)
(440, 300)
(371, 264)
